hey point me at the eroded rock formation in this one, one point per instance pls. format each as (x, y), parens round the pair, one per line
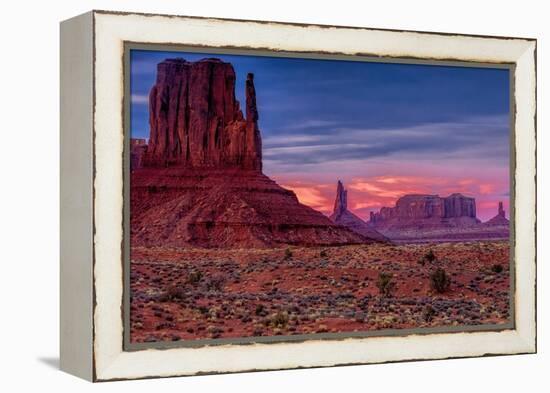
(201, 181)
(342, 216)
(341, 200)
(196, 121)
(430, 218)
(500, 219)
(224, 208)
(427, 211)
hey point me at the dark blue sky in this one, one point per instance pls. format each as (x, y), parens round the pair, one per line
(292, 92)
(319, 114)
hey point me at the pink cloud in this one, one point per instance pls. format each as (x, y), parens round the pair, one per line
(311, 195)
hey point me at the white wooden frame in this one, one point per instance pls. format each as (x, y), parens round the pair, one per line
(92, 194)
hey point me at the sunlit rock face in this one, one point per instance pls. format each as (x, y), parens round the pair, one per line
(196, 121)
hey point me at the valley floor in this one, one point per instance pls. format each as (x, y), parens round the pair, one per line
(190, 294)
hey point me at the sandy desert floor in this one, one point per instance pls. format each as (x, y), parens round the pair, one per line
(190, 294)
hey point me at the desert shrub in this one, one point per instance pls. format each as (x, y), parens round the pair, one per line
(259, 309)
(162, 297)
(194, 277)
(174, 292)
(385, 284)
(440, 281)
(428, 313)
(323, 254)
(279, 320)
(203, 310)
(497, 268)
(215, 283)
(288, 253)
(430, 256)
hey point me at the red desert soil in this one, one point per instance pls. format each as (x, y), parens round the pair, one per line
(195, 293)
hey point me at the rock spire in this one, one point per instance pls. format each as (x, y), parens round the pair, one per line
(341, 201)
(342, 216)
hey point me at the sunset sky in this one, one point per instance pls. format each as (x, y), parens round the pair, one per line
(385, 130)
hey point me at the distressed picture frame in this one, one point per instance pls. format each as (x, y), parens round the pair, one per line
(94, 144)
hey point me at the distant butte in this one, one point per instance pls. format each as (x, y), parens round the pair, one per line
(431, 218)
(427, 212)
(199, 181)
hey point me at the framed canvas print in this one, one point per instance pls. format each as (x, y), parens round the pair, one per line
(244, 195)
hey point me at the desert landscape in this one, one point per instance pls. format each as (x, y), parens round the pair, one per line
(218, 249)
(180, 294)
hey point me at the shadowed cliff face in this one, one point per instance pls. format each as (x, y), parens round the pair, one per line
(196, 121)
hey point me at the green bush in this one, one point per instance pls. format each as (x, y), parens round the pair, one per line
(440, 280)
(385, 284)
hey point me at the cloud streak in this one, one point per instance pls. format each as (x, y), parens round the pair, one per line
(139, 99)
(470, 138)
(370, 194)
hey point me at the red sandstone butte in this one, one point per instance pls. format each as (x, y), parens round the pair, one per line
(342, 216)
(430, 218)
(196, 121)
(200, 180)
(427, 212)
